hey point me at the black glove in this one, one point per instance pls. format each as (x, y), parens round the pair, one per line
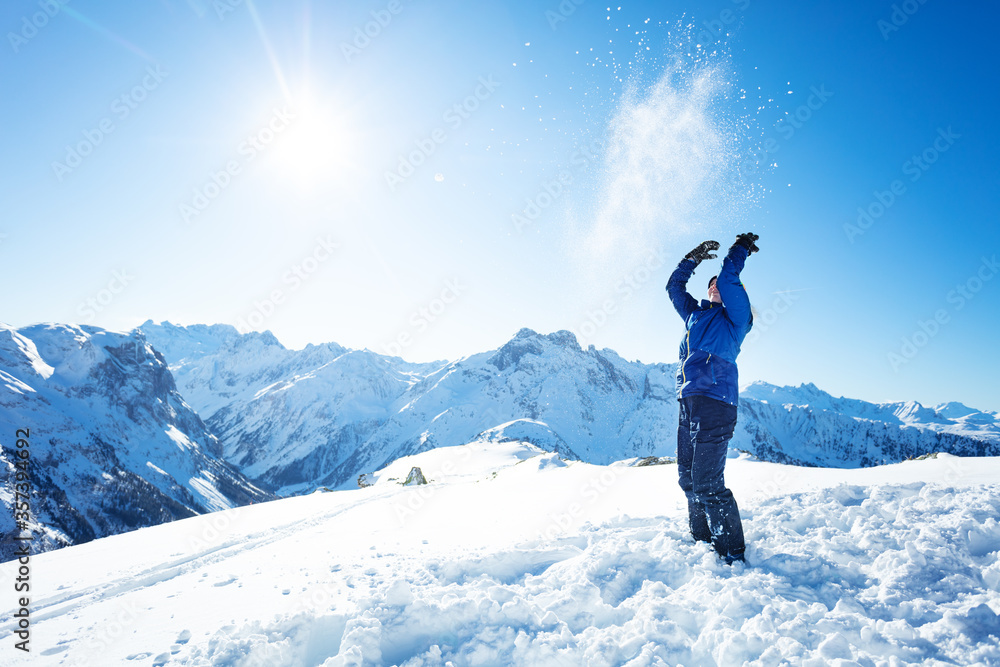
(702, 251)
(748, 241)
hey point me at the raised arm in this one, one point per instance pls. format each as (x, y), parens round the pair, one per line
(734, 295)
(683, 302)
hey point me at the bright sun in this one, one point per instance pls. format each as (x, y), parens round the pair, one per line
(318, 145)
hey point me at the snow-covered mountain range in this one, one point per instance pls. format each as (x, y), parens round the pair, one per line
(118, 439)
(113, 446)
(806, 426)
(286, 418)
(294, 420)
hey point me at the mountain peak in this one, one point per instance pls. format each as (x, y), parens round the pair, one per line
(269, 338)
(562, 338)
(565, 339)
(186, 342)
(254, 339)
(528, 341)
(805, 394)
(954, 410)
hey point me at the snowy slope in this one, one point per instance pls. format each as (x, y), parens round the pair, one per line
(295, 420)
(113, 445)
(513, 556)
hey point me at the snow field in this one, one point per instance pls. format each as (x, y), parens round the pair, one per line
(494, 567)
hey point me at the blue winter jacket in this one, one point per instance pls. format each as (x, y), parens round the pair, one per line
(715, 331)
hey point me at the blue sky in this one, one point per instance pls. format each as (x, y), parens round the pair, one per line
(465, 170)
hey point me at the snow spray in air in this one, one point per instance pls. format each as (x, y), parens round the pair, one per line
(671, 168)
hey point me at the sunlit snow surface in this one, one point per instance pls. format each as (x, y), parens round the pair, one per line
(511, 556)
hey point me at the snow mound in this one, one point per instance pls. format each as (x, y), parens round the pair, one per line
(533, 431)
(474, 461)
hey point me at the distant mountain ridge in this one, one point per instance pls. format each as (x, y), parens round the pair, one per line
(286, 418)
(807, 426)
(113, 445)
(294, 420)
(165, 422)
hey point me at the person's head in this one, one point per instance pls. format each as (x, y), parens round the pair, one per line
(713, 291)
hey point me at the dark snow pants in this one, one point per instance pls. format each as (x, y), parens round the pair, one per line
(706, 426)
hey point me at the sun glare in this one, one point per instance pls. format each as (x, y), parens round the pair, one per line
(318, 145)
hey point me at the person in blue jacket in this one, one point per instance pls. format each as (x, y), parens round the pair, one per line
(708, 389)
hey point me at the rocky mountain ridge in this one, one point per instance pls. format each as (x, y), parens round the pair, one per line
(112, 445)
(294, 420)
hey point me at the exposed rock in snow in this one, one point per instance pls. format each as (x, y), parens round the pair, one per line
(415, 477)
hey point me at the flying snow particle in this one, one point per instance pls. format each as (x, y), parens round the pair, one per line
(670, 165)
